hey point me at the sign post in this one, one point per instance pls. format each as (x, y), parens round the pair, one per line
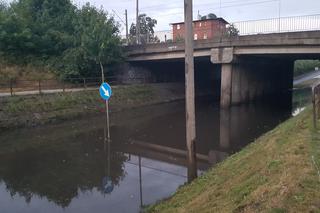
(105, 93)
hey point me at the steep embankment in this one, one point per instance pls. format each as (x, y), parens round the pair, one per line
(34, 110)
(277, 173)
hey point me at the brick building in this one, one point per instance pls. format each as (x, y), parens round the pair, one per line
(203, 29)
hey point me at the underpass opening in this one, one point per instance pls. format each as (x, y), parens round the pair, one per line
(207, 75)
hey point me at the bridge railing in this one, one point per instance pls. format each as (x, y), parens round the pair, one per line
(254, 27)
(279, 25)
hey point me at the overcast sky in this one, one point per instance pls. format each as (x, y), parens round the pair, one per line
(231, 10)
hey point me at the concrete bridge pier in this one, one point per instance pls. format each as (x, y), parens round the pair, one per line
(248, 78)
(226, 85)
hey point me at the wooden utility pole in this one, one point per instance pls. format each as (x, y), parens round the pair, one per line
(189, 81)
(127, 34)
(137, 23)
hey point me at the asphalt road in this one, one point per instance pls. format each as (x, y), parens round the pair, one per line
(312, 76)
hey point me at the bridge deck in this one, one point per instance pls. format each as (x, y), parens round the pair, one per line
(279, 43)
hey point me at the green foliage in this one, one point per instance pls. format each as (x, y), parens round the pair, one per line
(70, 40)
(232, 31)
(304, 66)
(147, 25)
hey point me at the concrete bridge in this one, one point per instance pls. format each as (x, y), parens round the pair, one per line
(248, 67)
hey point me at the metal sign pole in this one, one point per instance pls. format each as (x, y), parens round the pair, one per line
(106, 106)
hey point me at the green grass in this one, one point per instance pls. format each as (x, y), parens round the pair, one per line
(20, 104)
(44, 103)
(20, 111)
(276, 173)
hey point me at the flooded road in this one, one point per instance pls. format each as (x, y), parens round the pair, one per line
(68, 167)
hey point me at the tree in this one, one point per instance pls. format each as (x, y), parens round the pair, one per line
(99, 42)
(147, 25)
(38, 28)
(74, 42)
(304, 66)
(232, 31)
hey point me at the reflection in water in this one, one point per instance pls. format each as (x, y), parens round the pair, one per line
(70, 167)
(107, 183)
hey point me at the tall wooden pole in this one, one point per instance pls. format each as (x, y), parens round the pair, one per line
(190, 102)
(127, 34)
(138, 23)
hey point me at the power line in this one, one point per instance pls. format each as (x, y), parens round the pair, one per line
(114, 12)
(235, 5)
(165, 6)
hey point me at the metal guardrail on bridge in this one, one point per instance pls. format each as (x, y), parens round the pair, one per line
(264, 26)
(279, 25)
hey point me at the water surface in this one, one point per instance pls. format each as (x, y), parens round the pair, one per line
(69, 168)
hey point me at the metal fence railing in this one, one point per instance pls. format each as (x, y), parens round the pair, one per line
(24, 87)
(279, 25)
(252, 27)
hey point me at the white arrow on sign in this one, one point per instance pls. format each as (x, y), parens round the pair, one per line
(106, 92)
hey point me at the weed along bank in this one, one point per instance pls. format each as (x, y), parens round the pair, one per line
(109, 107)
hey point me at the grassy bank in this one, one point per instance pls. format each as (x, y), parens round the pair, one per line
(35, 110)
(276, 173)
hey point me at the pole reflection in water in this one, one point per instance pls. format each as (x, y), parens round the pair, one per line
(225, 126)
(140, 182)
(107, 183)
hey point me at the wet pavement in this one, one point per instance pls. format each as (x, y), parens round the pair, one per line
(68, 167)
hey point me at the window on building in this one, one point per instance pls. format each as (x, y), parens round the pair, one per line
(205, 36)
(195, 36)
(200, 24)
(178, 27)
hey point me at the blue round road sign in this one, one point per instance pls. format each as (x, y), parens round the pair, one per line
(105, 91)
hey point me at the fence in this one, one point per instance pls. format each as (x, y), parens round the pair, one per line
(316, 104)
(162, 36)
(25, 87)
(263, 26)
(279, 25)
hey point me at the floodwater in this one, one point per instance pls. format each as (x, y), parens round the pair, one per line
(68, 167)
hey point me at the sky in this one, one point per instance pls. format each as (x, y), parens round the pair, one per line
(170, 11)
